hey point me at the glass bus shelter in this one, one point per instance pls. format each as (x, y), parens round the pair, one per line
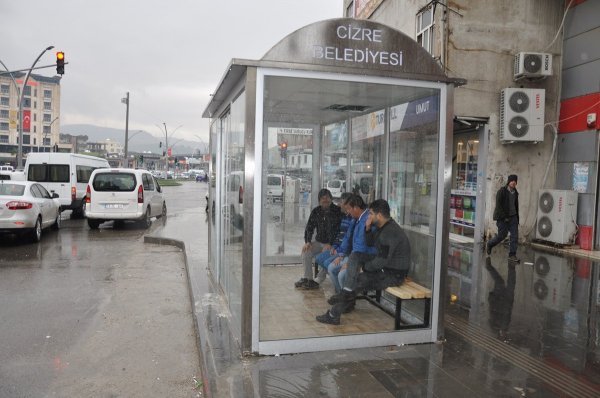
(350, 105)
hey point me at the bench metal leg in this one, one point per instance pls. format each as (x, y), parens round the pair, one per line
(427, 313)
(398, 313)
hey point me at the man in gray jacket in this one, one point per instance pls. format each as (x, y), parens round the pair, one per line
(388, 268)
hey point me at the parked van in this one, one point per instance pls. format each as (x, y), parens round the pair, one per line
(6, 167)
(123, 194)
(275, 187)
(67, 174)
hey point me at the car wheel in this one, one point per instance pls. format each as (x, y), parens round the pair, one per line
(36, 234)
(147, 220)
(93, 224)
(164, 211)
(57, 222)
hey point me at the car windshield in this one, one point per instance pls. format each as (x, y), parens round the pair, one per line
(12, 189)
(114, 182)
(274, 181)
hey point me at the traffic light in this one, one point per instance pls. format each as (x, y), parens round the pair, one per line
(141, 158)
(283, 149)
(60, 63)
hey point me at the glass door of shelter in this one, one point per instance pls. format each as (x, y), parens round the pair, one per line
(384, 139)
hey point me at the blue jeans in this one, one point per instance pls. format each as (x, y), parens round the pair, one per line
(337, 274)
(324, 258)
(504, 228)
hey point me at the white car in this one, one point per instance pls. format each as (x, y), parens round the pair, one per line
(27, 208)
(123, 194)
(337, 188)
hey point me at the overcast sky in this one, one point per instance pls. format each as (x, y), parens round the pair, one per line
(169, 54)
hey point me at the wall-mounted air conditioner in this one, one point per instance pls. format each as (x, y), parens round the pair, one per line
(553, 281)
(522, 115)
(556, 216)
(532, 65)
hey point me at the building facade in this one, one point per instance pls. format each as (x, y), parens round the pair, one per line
(41, 112)
(486, 43)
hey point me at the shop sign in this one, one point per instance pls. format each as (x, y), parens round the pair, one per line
(414, 113)
(581, 173)
(294, 131)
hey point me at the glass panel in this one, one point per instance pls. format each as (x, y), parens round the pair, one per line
(367, 155)
(212, 192)
(335, 158)
(412, 187)
(233, 222)
(332, 119)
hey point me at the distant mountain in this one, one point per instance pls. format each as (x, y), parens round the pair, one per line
(139, 141)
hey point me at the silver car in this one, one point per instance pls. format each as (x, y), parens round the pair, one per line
(26, 208)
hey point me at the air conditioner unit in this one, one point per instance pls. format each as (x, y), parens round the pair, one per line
(532, 65)
(553, 281)
(522, 115)
(556, 216)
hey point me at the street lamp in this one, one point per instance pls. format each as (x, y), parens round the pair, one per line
(167, 142)
(44, 133)
(126, 102)
(20, 150)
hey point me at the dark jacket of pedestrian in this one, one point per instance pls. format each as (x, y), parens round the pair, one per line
(393, 248)
(502, 209)
(326, 222)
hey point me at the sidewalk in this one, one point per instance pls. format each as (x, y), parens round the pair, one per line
(542, 351)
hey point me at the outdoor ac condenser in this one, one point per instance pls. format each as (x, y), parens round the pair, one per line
(532, 65)
(556, 216)
(553, 281)
(522, 115)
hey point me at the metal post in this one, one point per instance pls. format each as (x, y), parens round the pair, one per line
(166, 149)
(126, 102)
(20, 150)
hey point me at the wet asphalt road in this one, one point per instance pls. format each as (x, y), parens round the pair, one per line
(81, 295)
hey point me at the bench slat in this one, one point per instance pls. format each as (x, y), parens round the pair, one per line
(416, 293)
(423, 289)
(398, 291)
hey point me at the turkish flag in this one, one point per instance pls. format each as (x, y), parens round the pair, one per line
(26, 121)
(169, 152)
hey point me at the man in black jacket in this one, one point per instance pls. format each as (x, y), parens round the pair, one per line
(326, 219)
(506, 215)
(388, 268)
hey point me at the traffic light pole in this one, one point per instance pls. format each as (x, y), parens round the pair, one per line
(20, 150)
(126, 101)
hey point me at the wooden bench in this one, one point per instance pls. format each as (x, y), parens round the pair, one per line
(409, 290)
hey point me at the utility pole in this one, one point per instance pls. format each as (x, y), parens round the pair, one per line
(126, 102)
(166, 148)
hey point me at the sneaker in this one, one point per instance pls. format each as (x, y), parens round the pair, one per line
(321, 275)
(488, 249)
(300, 283)
(310, 285)
(514, 259)
(327, 318)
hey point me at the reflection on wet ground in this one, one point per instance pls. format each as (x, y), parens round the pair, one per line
(531, 329)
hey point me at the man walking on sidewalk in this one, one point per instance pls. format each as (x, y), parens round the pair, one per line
(506, 215)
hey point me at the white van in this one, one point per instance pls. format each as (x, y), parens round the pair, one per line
(123, 194)
(275, 187)
(67, 174)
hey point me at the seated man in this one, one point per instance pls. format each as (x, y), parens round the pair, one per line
(388, 268)
(359, 251)
(340, 246)
(326, 219)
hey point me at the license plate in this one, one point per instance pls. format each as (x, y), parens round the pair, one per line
(113, 206)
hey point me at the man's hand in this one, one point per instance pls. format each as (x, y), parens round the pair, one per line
(327, 247)
(306, 247)
(336, 261)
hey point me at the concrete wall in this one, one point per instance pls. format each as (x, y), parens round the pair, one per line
(479, 45)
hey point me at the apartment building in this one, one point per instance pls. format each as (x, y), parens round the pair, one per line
(41, 112)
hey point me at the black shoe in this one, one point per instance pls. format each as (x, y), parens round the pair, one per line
(514, 259)
(488, 249)
(310, 285)
(327, 318)
(300, 283)
(336, 298)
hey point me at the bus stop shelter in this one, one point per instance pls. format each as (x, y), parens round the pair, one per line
(351, 105)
